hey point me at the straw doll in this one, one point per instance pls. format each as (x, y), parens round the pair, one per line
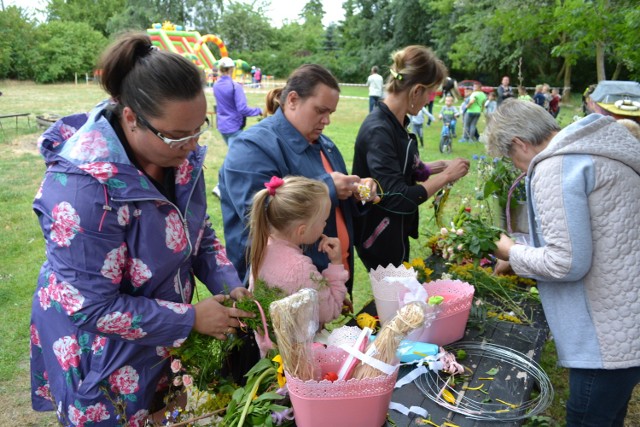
(286, 215)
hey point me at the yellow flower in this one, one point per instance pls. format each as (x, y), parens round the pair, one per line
(280, 372)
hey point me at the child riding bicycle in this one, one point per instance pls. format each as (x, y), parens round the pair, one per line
(448, 115)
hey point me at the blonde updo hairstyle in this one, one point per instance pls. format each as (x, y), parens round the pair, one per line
(298, 201)
(415, 65)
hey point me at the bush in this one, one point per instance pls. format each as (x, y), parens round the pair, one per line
(65, 48)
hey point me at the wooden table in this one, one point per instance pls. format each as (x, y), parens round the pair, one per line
(526, 339)
(17, 115)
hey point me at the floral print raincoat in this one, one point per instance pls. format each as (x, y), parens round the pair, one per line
(115, 290)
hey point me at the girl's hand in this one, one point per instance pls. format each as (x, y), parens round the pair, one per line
(213, 318)
(331, 246)
(372, 191)
(240, 293)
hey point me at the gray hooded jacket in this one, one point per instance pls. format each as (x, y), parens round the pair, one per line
(583, 195)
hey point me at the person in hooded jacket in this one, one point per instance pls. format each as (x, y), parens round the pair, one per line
(122, 207)
(583, 198)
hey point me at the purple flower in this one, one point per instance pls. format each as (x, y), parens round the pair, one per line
(282, 416)
(475, 157)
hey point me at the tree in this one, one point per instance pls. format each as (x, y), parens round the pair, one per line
(96, 13)
(16, 42)
(58, 55)
(245, 28)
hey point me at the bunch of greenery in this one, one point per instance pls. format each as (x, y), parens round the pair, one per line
(204, 356)
(468, 239)
(261, 399)
(497, 177)
(496, 296)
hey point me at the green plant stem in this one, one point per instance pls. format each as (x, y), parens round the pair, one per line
(254, 390)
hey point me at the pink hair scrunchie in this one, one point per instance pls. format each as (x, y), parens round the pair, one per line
(274, 183)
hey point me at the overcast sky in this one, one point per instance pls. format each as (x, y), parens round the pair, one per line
(280, 9)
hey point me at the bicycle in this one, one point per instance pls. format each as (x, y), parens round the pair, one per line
(446, 137)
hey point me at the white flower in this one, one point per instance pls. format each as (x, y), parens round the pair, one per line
(459, 231)
(444, 231)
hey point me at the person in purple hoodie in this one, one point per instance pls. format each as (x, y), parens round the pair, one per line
(122, 207)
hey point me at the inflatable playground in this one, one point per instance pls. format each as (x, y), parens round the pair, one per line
(193, 46)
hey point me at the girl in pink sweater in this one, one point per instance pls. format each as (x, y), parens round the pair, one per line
(285, 215)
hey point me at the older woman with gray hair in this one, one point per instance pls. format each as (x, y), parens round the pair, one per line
(583, 197)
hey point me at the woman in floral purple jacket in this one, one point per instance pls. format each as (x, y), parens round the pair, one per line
(123, 210)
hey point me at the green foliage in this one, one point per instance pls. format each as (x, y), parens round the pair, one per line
(59, 54)
(95, 13)
(253, 404)
(204, 356)
(16, 41)
(496, 178)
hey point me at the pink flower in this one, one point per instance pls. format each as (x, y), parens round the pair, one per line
(115, 323)
(35, 336)
(187, 380)
(102, 171)
(138, 272)
(44, 298)
(44, 391)
(66, 224)
(139, 418)
(183, 174)
(90, 146)
(221, 253)
(66, 131)
(134, 334)
(67, 296)
(162, 351)
(77, 417)
(176, 366)
(123, 215)
(113, 265)
(67, 352)
(174, 306)
(460, 232)
(97, 412)
(444, 231)
(98, 344)
(175, 237)
(177, 343)
(124, 380)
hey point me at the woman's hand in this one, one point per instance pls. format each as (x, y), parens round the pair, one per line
(438, 166)
(240, 293)
(344, 184)
(503, 245)
(456, 169)
(370, 183)
(213, 318)
(502, 267)
(331, 246)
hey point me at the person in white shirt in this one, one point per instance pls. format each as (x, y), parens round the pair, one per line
(374, 81)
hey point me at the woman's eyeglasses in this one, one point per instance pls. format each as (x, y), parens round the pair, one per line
(175, 142)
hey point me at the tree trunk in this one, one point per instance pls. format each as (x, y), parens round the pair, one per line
(566, 94)
(600, 61)
(617, 71)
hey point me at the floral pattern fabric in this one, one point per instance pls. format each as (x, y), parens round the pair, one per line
(115, 290)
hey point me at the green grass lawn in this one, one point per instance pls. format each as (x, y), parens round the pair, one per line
(22, 249)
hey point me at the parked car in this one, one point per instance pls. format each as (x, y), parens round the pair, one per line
(465, 87)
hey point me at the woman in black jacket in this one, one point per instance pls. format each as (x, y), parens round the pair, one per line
(385, 151)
